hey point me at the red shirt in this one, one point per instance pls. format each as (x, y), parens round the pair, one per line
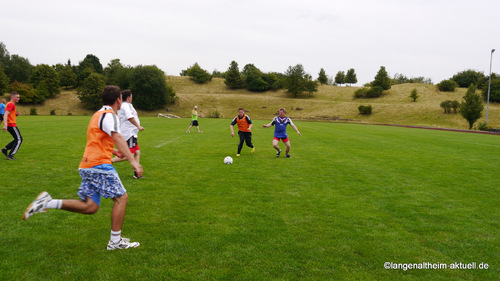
(11, 118)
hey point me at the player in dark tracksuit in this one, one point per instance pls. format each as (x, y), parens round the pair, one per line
(244, 130)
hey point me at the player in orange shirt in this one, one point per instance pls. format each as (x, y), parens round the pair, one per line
(244, 130)
(99, 177)
(11, 126)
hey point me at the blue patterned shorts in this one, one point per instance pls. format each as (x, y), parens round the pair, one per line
(99, 182)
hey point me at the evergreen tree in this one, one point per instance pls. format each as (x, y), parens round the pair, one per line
(350, 77)
(322, 78)
(471, 107)
(233, 77)
(382, 79)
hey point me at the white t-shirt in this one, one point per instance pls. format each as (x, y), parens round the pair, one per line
(126, 112)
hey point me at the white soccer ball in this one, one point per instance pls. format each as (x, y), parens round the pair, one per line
(228, 160)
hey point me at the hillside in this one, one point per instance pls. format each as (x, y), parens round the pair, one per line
(329, 103)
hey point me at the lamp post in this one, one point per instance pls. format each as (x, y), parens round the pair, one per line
(489, 85)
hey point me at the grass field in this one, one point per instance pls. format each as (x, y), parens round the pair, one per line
(352, 198)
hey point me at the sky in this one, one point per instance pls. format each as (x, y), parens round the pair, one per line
(431, 38)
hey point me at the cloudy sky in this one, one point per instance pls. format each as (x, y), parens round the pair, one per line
(430, 38)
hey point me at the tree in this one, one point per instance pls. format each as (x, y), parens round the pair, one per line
(26, 92)
(253, 78)
(447, 85)
(92, 62)
(494, 90)
(350, 77)
(322, 78)
(67, 78)
(91, 90)
(149, 88)
(4, 81)
(45, 74)
(340, 78)
(87, 66)
(198, 75)
(233, 77)
(295, 80)
(414, 95)
(472, 106)
(465, 78)
(4, 54)
(18, 69)
(382, 79)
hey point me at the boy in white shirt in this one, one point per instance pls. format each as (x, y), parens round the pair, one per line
(130, 125)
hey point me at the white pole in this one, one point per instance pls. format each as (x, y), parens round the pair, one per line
(489, 84)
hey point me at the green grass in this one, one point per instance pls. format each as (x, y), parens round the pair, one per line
(352, 198)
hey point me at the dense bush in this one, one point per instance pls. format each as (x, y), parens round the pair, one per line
(494, 90)
(367, 93)
(448, 105)
(468, 77)
(447, 85)
(366, 110)
(198, 75)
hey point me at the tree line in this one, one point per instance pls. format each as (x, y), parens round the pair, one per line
(37, 83)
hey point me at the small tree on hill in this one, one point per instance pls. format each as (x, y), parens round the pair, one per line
(198, 75)
(233, 77)
(322, 78)
(414, 95)
(340, 78)
(295, 80)
(350, 77)
(472, 106)
(382, 79)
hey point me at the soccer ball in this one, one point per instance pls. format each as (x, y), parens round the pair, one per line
(228, 160)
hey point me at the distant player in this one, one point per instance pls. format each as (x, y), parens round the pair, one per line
(244, 130)
(99, 177)
(11, 126)
(194, 120)
(130, 125)
(2, 109)
(280, 122)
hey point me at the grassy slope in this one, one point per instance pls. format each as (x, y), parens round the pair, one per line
(393, 108)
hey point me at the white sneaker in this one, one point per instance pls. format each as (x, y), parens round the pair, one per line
(124, 243)
(37, 206)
